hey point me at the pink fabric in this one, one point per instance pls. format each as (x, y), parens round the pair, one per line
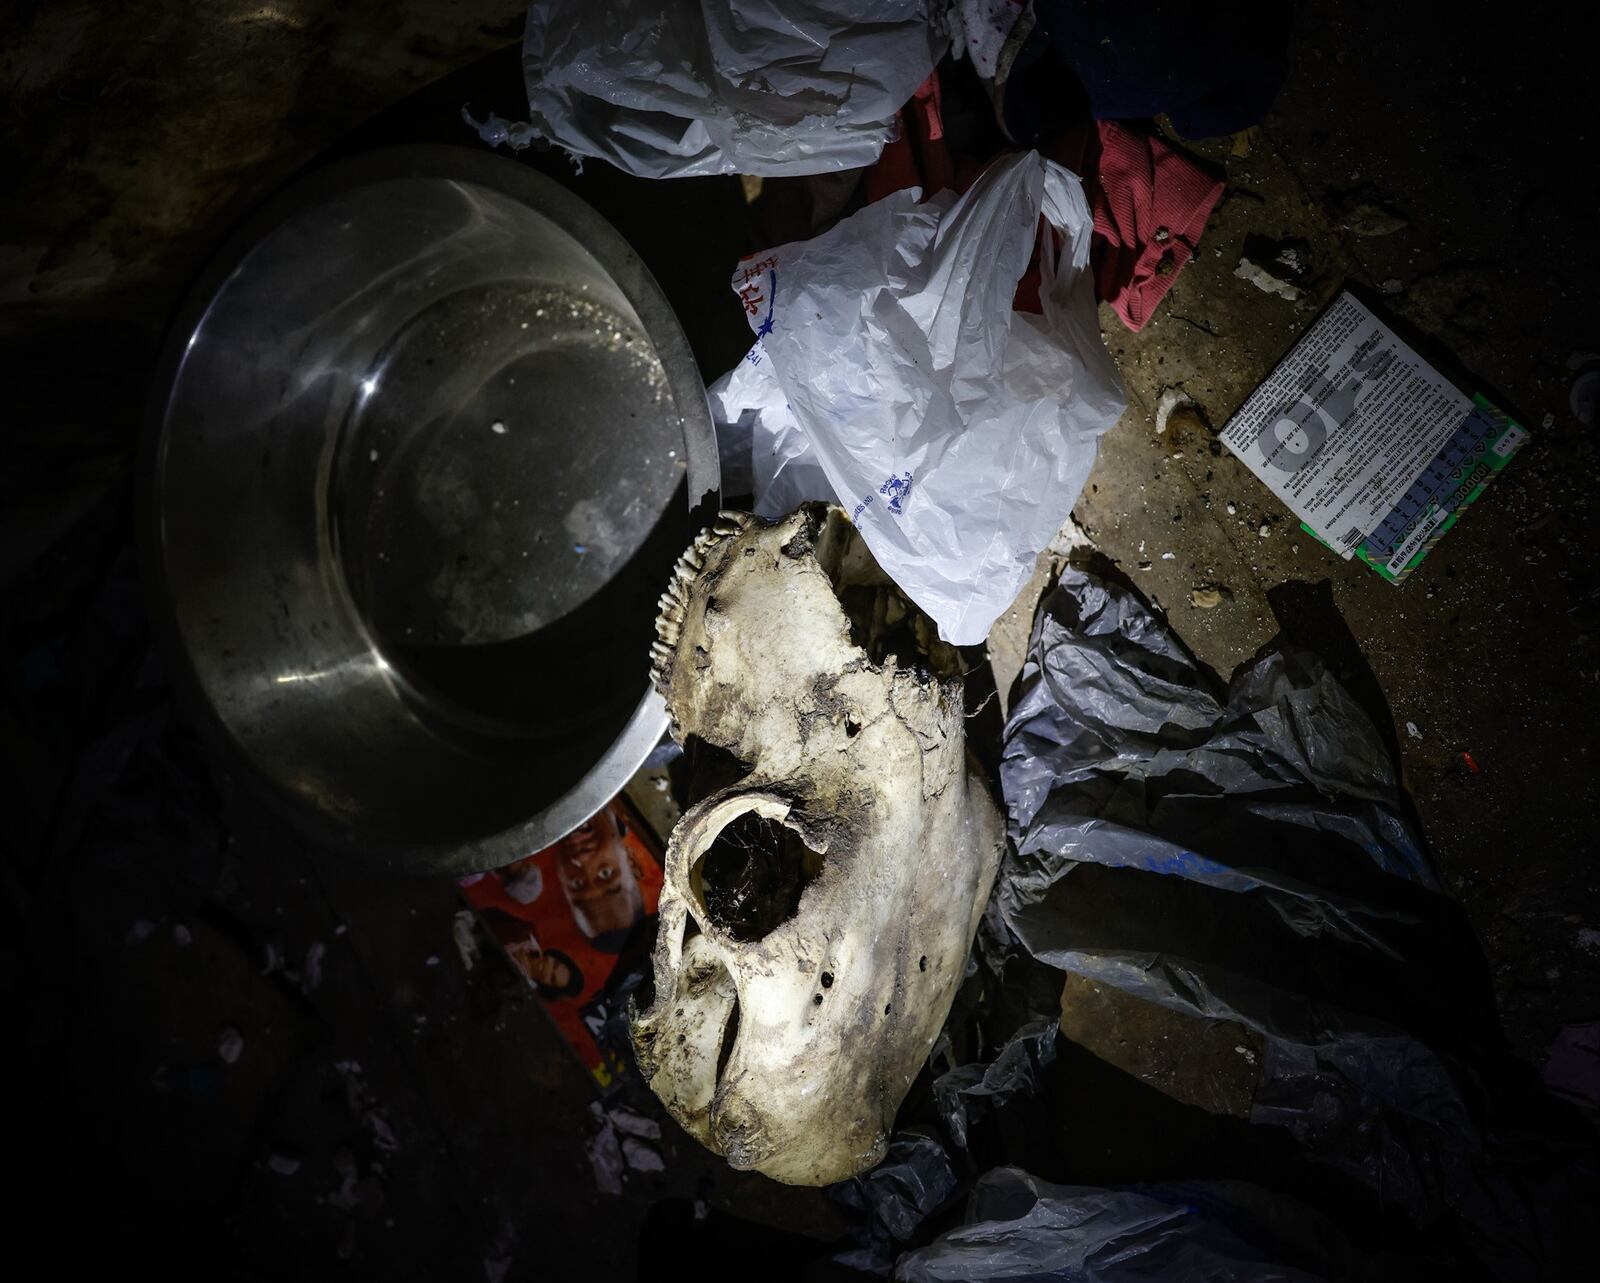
(1150, 200)
(1150, 203)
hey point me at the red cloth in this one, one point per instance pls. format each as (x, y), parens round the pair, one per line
(1150, 200)
(1151, 203)
(919, 156)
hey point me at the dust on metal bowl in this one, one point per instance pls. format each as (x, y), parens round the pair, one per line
(425, 444)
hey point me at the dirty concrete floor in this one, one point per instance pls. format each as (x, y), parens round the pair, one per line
(407, 1117)
(1491, 649)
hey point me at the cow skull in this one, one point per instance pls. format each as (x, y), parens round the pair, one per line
(816, 917)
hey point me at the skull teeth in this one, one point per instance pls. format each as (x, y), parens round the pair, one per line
(673, 603)
(660, 666)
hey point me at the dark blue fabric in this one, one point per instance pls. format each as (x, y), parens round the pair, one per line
(1211, 70)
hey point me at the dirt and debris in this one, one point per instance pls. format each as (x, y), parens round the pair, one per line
(1209, 596)
(1281, 267)
(1171, 399)
(622, 1141)
(1366, 219)
(464, 931)
(311, 973)
(1180, 412)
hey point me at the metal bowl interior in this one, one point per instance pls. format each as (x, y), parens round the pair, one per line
(425, 446)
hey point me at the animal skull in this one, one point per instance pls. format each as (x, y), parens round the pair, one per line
(816, 916)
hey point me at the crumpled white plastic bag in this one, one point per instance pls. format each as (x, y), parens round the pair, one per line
(760, 444)
(891, 375)
(677, 88)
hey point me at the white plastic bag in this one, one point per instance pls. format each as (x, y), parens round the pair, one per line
(675, 88)
(762, 449)
(891, 371)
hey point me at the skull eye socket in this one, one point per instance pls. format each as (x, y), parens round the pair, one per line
(751, 877)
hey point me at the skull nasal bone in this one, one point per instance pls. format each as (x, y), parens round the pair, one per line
(751, 877)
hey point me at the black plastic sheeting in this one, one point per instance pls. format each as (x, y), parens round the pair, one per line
(1241, 855)
(966, 1095)
(1019, 1227)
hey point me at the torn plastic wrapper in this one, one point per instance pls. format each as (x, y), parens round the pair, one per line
(966, 1094)
(928, 1166)
(894, 1200)
(697, 87)
(891, 366)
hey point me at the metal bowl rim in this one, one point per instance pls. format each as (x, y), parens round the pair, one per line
(649, 721)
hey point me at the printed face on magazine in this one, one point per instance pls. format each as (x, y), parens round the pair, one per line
(550, 971)
(599, 877)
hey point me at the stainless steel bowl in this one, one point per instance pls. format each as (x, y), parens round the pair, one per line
(424, 446)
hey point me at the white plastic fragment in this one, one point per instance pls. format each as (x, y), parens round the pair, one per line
(641, 1156)
(362, 1103)
(1264, 280)
(631, 1124)
(1170, 400)
(605, 1152)
(311, 976)
(230, 1045)
(496, 130)
(464, 931)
